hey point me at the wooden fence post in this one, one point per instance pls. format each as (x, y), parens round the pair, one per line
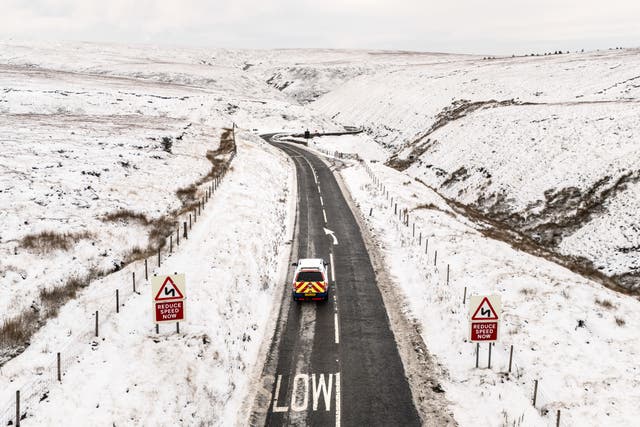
(510, 357)
(178, 235)
(171, 243)
(370, 211)
(59, 370)
(435, 258)
(133, 280)
(117, 301)
(420, 239)
(490, 345)
(185, 230)
(146, 270)
(477, 354)
(447, 274)
(464, 296)
(158, 255)
(17, 408)
(558, 418)
(426, 247)
(97, 324)
(189, 221)
(535, 392)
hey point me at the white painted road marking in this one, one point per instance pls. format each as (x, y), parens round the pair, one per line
(335, 320)
(296, 394)
(321, 201)
(337, 399)
(277, 408)
(332, 233)
(321, 387)
(325, 216)
(333, 272)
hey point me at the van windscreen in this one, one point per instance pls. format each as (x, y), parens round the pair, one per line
(309, 276)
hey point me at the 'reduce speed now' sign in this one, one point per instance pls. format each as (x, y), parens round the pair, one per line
(168, 293)
(484, 312)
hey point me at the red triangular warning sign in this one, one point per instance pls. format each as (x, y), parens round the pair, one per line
(169, 290)
(485, 311)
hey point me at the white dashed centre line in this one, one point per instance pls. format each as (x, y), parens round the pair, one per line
(333, 271)
(337, 399)
(335, 319)
(325, 215)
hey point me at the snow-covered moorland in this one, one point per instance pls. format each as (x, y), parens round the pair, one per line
(105, 148)
(105, 151)
(547, 146)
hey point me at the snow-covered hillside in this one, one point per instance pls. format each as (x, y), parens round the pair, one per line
(106, 149)
(546, 145)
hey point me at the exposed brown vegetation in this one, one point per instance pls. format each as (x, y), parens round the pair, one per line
(126, 215)
(620, 321)
(48, 241)
(495, 229)
(604, 303)
(16, 332)
(429, 206)
(455, 111)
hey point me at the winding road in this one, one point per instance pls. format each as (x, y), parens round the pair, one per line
(333, 363)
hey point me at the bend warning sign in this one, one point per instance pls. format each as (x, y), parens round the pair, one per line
(169, 290)
(484, 312)
(168, 293)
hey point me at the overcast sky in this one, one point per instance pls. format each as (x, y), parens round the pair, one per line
(470, 26)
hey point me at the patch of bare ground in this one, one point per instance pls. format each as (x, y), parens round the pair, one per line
(457, 110)
(495, 226)
(16, 332)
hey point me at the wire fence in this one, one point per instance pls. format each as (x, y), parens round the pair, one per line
(47, 377)
(409, 230)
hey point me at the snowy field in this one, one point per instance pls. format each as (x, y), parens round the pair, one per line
(91, 130)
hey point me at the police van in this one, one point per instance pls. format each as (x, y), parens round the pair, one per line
(310, 281)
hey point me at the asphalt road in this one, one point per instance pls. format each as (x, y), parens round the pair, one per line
(334, 363)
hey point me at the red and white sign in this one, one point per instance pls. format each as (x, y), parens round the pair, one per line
(168, 293)
(484, 331)
(170, 311)
(484, 312)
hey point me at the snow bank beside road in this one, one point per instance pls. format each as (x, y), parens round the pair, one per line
(130, 375)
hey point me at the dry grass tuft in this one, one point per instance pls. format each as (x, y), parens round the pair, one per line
(48, 241)
(430, 206)
(620, 321)
(605, 303)
(126, 215)
(18, 330)
(527, 291)
(187, 194)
